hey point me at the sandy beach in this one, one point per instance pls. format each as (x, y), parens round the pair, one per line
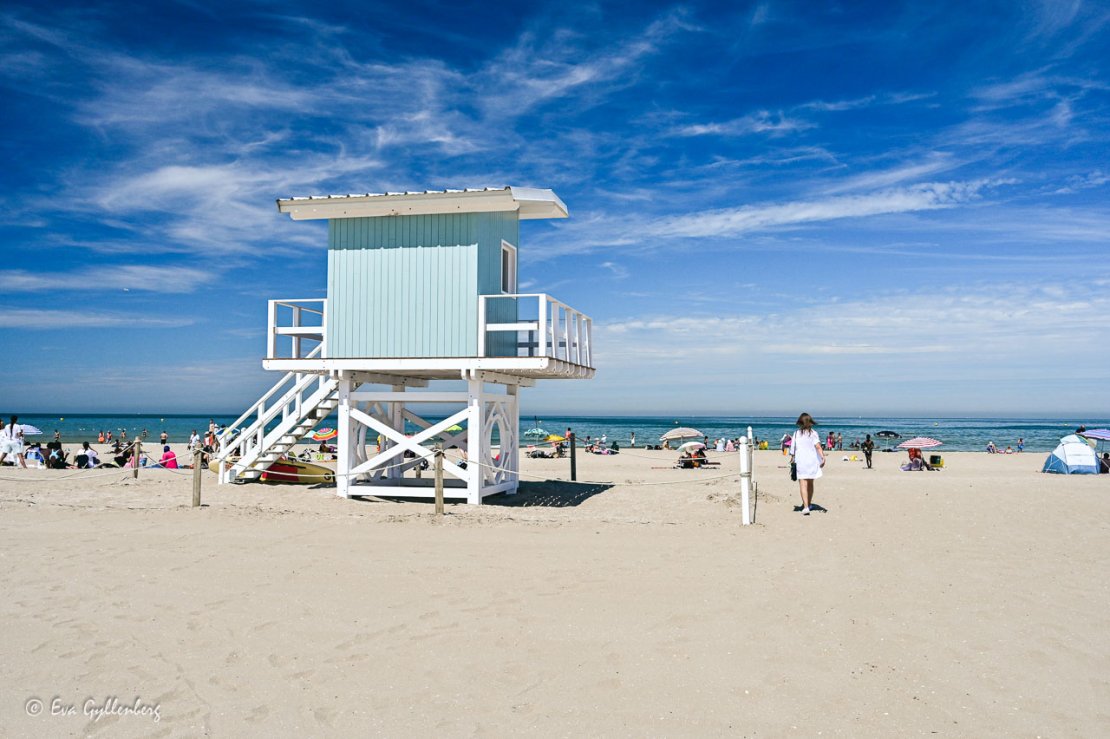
(964, 602)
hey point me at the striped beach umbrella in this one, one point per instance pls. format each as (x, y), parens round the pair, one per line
(919, 442)
(325, 434)
(681, 433)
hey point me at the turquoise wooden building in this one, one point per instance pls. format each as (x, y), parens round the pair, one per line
(422, 289)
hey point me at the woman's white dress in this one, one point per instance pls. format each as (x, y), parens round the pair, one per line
(804, 447)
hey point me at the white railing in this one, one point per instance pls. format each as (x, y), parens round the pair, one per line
(298, 320)
(541, 327)
(288, 402)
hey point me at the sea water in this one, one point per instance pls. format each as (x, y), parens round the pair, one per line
(957, 434)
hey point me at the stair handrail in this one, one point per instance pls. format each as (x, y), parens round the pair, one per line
(249, 456)
(261, 401)
(264, 417)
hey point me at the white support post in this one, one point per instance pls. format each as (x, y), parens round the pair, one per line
(347, 438)
(296, 337)
(482, 325)
(271, 329)
(589, 337)
(745, 480)
(566, 333)
(513, 391)
(577, 337)
(477, 443)
(541, 317)
(397, 423)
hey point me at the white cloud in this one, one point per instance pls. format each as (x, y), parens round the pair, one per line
(1087, 181)
(33, 318)
(747, 219)
(763, 122)
(123, 277)
(619, 271)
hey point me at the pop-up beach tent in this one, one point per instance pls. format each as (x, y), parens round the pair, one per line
(1073, 456)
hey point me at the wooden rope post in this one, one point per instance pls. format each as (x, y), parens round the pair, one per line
(197, 456)
(573, 459)
(439, 480)
(136, 453)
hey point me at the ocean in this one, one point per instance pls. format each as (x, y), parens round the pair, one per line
(958, 434)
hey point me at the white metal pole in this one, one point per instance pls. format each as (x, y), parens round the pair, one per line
(481, 325)
(543, 324)
(345, 447)
(271, 320)
(745, 480)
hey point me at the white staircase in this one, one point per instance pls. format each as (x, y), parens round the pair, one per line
(297, 403)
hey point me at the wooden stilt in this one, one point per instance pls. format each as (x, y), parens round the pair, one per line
(197, 469)
(573, 459)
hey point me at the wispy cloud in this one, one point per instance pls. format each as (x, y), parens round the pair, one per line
(749, 219)
(32, 318)
(763, 122)
(149, 278)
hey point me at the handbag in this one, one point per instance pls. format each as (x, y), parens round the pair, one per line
(794, 471)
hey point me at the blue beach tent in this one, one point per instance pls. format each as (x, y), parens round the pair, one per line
(1073, 456)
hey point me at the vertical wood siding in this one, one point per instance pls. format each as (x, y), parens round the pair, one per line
(408, 286)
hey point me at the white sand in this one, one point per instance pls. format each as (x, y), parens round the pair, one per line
(967, 602)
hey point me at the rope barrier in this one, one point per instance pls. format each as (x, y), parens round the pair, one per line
(407, 463)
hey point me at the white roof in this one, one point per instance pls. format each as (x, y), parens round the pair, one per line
(528, 202)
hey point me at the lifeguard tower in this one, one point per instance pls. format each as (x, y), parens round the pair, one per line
(422, 289)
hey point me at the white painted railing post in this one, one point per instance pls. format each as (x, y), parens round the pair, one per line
(324, 328)
(271, 334)
(296, 337)
(541, 319)
(745, 481)
(482, 325)
(566, 333)
(589, 338)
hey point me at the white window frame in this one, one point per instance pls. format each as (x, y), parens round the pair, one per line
(508, 282)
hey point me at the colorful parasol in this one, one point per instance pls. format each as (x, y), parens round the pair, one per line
(919, 442)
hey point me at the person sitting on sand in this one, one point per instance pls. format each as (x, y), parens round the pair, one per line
(169, 459)
(991, 448)
(34, 453)
(917, 462)
(1009, 450)
(1104, 464)
(91, 459)
(57, 459)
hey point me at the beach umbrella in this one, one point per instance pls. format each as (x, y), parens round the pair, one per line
(1099, 434)
(919, 442)
(454, 428)
(681, 433)
(325, 434)
(535, 431)
(555, 437)
(29, 430)
(888, 435)
(691, 446)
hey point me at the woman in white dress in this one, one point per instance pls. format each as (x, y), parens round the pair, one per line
(806, 453)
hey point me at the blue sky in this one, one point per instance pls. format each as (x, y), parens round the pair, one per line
(852, 208)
